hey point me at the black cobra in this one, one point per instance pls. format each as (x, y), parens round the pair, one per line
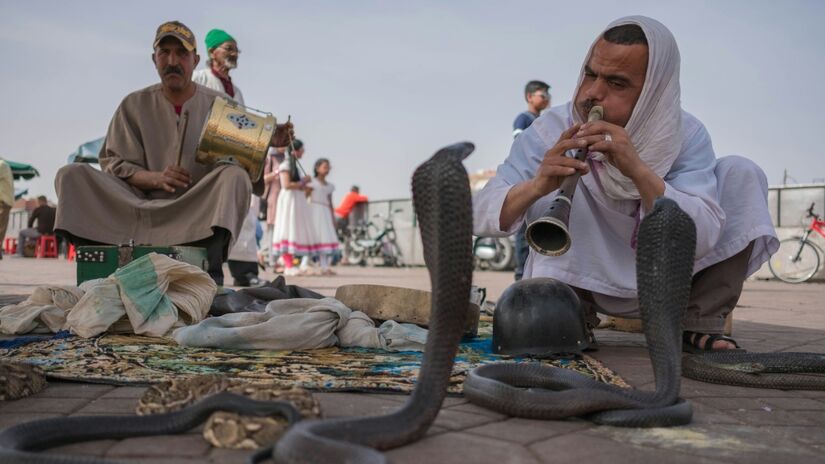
(784, 370)
(664, 265)
(20, 443)
(441, 196)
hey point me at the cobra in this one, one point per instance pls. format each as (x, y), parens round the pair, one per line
(441, 196)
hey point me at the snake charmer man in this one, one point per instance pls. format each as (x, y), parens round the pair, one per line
(645, 147)
(142, 194)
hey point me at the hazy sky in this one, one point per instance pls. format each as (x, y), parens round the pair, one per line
(377, 87)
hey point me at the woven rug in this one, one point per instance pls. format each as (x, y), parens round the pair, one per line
(138, 360)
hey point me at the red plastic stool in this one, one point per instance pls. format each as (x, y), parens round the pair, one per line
(46, 247)
(71, 254)
(10, 246)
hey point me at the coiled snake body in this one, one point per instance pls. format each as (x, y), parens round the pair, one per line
(441, 196)
(664, 264)
(442, 202)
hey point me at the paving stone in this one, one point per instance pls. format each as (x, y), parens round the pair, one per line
(727, 443)
(90, 448)
(761, 417)
(526, 431)
(45, 405)
(9, 419)
(582, 448)
(475, 409)
(125, 392)
(453, 401)
(161, 446)
(73, 390)
(228, 456)
(777, 319)
(460, 448)
(765, 404)
(707, 415)
(435, 430)
(695, 389)
(816, 417)
(812, 437)
(816, 394)
(457, 420)
(353, 404)
(159, 460)
(109, 406)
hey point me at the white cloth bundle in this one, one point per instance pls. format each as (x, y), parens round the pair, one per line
(150, 296)
(301, 324)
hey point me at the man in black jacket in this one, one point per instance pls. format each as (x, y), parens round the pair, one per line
(44, 216)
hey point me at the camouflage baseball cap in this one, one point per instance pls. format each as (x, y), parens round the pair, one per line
(177, 30)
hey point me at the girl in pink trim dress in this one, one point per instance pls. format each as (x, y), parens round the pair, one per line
(326, 239)
(293, 234)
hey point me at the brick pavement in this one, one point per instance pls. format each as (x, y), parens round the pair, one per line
(730, 424)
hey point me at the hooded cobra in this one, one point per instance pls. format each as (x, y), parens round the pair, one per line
(664, 265)
(441, 196)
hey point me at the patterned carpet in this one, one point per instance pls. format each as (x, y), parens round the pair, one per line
(138, 360)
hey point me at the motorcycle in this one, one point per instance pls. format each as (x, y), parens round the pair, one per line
(360, 246)
(495, 253)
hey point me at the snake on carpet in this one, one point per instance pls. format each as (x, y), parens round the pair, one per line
(664, 267)
(441, 197)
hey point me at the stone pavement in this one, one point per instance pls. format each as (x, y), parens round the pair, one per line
(730, 424)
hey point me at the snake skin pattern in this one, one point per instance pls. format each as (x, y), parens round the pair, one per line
(664, 266)
(19, 443)
(759, 370)
(441, 197)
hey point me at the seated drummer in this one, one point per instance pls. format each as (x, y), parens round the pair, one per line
(141, 195)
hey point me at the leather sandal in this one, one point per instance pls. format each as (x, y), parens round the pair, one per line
(691, 342)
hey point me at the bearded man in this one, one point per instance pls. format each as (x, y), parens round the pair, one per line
(645, 147)
(142, 194)
(223, 54)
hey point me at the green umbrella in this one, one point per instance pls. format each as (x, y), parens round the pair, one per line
(22, 170)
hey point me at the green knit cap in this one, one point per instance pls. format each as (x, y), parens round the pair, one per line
(216, 37)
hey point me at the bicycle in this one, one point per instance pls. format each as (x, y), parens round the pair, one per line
(798, 258)
(359, 245)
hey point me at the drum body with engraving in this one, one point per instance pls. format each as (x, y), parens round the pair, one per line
(234, 134)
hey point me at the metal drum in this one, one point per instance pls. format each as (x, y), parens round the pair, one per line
(236, 134)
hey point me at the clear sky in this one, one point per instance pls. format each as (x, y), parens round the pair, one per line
(377, 87)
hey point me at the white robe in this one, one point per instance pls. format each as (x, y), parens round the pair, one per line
(207, 78)
(727, 199)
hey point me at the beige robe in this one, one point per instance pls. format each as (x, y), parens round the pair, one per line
(144, 135)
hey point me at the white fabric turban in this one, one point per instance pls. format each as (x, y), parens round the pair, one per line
(655, 125)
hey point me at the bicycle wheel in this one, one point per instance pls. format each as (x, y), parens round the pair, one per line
(795, 261)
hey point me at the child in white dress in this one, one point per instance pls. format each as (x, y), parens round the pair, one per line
(323, 216)
(294, 232)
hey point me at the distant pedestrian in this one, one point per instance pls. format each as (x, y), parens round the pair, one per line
(269, 200)
(293, 234)
(323, 216)
(6, 199)
(344, 209)
(537, 95)
(43, 215)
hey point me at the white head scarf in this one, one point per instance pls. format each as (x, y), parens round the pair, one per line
(655, 125)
